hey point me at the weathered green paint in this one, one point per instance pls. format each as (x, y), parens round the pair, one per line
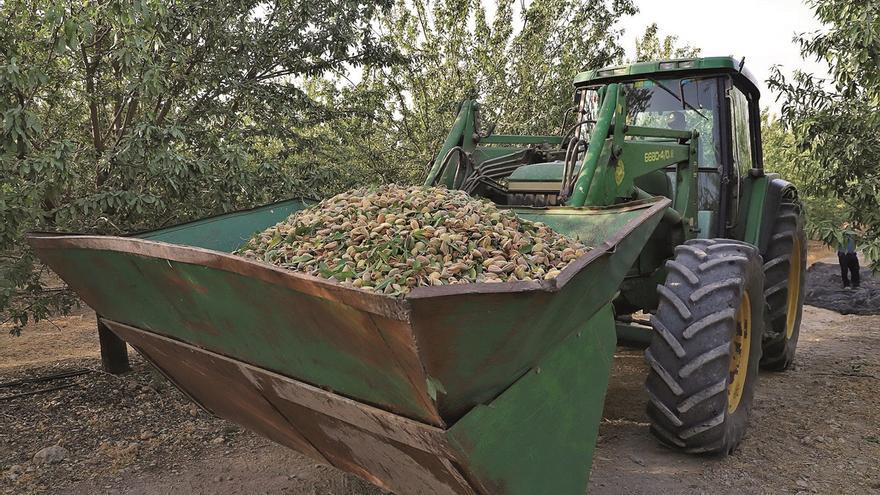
(229, 231)
(496, 367)
(536, 436)
(314, 339)
(464, 338)
(539, 435)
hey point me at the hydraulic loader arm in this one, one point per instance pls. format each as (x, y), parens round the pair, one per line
(616, 155)
(462, 139)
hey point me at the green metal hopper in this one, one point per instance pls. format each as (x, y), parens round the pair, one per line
(479, 388)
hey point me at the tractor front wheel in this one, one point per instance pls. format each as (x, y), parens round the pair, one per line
(707, 345)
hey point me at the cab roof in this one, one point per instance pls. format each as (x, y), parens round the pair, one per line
(680, 67)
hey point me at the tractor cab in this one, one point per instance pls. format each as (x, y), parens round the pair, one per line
(713, 98)
(686, 129)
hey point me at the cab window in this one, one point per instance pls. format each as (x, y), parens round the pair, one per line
(679, 104)
(684, 104)
(742, 143)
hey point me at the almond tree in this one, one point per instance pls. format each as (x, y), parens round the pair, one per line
(127, 114)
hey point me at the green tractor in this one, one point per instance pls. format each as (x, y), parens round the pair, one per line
(722, 275)
(495, 388)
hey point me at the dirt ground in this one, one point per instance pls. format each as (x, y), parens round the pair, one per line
(814, 429)
(50, 341)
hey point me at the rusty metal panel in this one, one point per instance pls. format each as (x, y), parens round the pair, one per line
(218, 386)
(386, 463)
(536, 437)
(389, 451)
(282, 390)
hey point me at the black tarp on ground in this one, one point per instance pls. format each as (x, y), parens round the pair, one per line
(825, 290)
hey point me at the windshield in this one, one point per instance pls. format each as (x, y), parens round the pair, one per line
(679, 104)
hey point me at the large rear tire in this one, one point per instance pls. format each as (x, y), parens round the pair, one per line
(785, 265)
(706, 347)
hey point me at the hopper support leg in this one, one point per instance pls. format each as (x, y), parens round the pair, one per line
(114, 352)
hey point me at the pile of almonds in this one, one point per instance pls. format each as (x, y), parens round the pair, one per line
(390, 239)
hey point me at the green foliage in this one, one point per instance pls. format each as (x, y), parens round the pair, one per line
(128, 114)
(650, 46)
(836, 124)
(523, 79)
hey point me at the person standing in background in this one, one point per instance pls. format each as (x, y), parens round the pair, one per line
(848, 259)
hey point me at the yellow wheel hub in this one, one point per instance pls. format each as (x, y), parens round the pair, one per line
(739, 353)
(794, 288)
